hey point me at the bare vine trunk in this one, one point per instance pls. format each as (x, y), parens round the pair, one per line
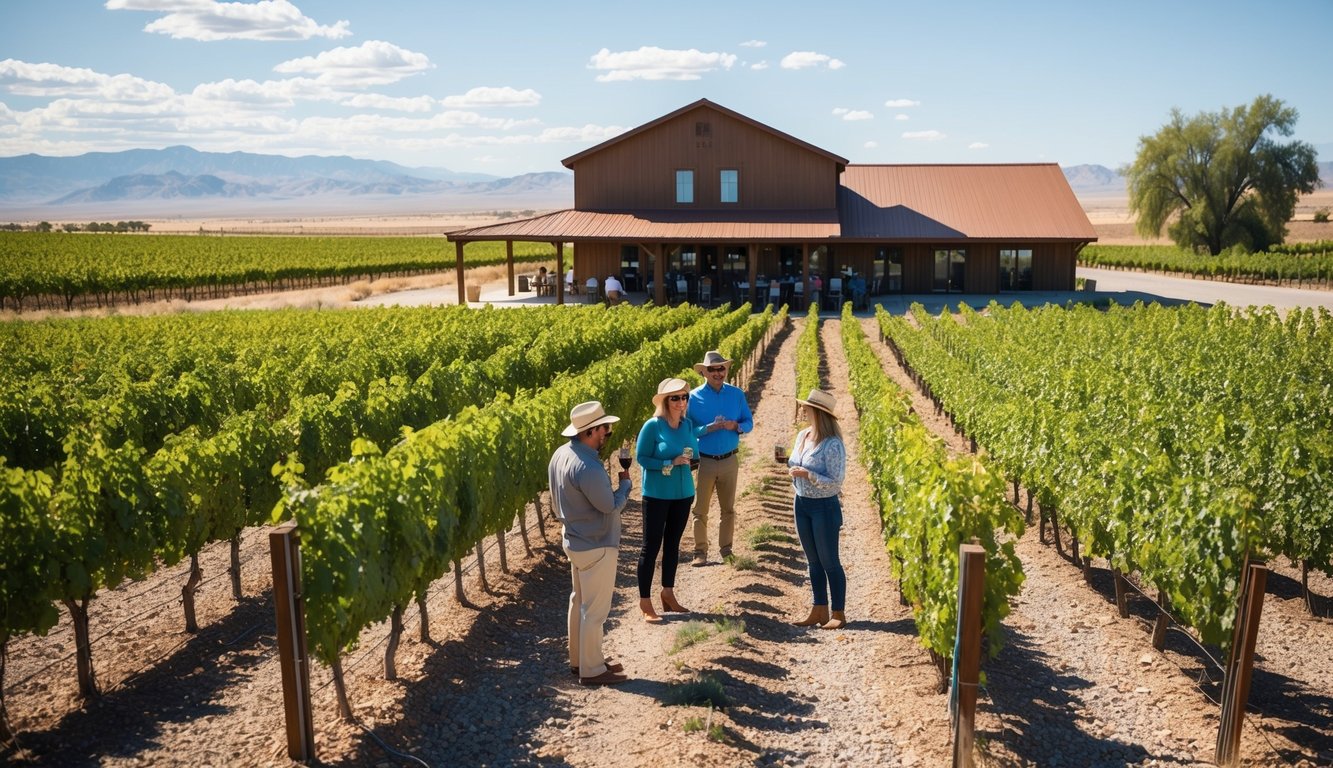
(235, 569)
(187, 593)
(6, 733)
(481, 565)
(424, 612)
(504, 556)
(83, 649)
(391, 650)
(340, 686)
(523, 529)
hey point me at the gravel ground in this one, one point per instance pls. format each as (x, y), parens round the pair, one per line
(1075, 685)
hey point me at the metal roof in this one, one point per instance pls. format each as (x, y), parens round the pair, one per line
(876, 203)
(960, 202)
(739, 226)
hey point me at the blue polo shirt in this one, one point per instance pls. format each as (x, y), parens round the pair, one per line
(707, 404)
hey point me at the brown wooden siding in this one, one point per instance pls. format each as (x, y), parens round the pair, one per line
(983, 268)
(1053, 267)
(595, 260)
(640, 172)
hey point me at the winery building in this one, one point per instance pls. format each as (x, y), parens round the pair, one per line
(706, 204)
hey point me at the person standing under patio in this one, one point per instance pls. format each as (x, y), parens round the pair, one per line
(722, 407)
(582, 499)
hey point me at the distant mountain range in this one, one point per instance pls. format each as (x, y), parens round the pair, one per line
(1098, 180)
(181, 180)
(165, 180)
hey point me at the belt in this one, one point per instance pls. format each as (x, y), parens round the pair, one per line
(718, 457)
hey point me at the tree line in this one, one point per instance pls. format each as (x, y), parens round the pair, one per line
(92, 226)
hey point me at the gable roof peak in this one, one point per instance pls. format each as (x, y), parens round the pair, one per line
(568, 162)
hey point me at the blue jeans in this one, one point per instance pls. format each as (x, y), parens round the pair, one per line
(817, 524)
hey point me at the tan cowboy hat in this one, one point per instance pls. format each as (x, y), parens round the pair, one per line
(820, 399)
(670, 386)
(586, 416)
(711, 357)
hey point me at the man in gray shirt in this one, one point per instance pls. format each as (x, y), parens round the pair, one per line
(590, 511)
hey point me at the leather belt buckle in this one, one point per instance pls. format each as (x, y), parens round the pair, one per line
(719, 457)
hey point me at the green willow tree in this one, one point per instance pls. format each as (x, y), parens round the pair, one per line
(1222, 179)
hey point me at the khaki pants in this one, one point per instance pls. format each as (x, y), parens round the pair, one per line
(719, 475)
(593, 573)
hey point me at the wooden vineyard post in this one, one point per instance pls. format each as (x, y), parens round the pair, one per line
(1121, 599)
(1240, 664)
(1162, 622)
(289, 605)
(967, 662)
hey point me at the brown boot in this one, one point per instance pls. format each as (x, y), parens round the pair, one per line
(838, 621)
(670, 604)
(818, 615)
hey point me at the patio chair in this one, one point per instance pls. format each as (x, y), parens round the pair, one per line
(835, 292)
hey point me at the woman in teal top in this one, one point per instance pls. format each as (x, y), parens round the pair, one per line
(666, 444)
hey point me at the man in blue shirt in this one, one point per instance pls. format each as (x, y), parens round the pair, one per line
(722, 407)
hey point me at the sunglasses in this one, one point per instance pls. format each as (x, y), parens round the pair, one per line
(678, 398)
(716, 368)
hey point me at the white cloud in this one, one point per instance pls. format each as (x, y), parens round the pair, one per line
(853, 114)
(902, 103)
(26, 79)
(924, 135)
(760, 65)
(753, 44)
(871, 144)
(208, 20)
(807, 59)
(374, 62)
(653, 63)
(272, 94)
(901, 116)
(380, 101)
(587, 133)
(493, 97)
(978, 145)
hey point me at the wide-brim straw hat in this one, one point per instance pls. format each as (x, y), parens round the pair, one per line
(586, 416)
(711, 357)
(822, 400)
(670, 386)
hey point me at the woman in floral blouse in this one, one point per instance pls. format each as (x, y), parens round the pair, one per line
(818, 464)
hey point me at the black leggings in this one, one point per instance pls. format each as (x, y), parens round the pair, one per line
(662, 518)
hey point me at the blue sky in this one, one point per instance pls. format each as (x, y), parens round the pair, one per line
(505, 87)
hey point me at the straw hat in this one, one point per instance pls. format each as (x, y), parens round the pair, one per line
(820, 399)
(586, 416)
(670, 386)
(712, 357)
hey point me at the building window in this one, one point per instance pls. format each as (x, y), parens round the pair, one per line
(731, 186)
(1015, 269)
(685, 186)
(703, 130)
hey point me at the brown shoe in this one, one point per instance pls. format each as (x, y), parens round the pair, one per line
(650, 614)
(606, 678)
(670, 604)
(611, 666)
(700, 558)
(838, 620)
(818, 615)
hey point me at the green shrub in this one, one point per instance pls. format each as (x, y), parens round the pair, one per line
(702, 691)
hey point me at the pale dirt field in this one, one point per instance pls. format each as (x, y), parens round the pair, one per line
(1110, 216)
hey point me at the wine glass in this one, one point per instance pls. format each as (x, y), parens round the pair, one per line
(625, 457)
(689, 454)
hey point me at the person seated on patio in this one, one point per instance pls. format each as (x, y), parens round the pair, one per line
(542, 282)
(570, 285)
(816, 287)
(614, 290)
(857, 285)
